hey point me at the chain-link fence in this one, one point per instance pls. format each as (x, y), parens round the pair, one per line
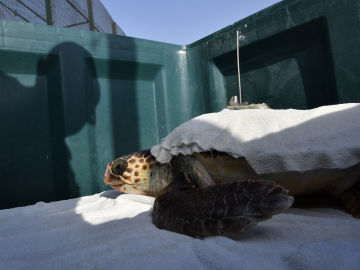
(83, 14)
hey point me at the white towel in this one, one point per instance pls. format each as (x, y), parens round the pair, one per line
(273, 141)
(113, 231)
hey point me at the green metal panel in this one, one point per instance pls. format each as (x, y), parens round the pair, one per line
(72, 100)
(297, 53)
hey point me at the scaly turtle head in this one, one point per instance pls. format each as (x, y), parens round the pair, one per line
(130, 173)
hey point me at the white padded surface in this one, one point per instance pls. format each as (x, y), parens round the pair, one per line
(113, 231)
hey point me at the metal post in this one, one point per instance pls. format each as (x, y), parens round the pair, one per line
(90, 15)
(113, 27)
(49, 13)
(238, 63)
(234, 102)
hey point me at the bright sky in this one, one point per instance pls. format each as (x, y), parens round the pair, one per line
(179, 22)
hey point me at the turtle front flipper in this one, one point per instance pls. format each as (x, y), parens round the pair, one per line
(219, 209)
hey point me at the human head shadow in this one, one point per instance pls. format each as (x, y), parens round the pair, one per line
(70, 109)
(52, 98)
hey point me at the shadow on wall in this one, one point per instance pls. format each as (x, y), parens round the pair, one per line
(43, 100)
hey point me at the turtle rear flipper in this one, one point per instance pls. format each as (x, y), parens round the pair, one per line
(219, 209)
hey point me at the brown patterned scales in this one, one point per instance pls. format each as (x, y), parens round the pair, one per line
(130, 173)
(208, 193)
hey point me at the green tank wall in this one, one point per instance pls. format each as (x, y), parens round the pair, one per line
(72, 100)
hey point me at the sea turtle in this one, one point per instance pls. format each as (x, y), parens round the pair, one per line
(210, 193)
(191, 201)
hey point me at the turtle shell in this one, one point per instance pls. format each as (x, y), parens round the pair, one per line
(224, 168)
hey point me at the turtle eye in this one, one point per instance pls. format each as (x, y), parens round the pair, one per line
(119, 166)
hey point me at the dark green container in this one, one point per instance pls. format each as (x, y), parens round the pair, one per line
(72, 100)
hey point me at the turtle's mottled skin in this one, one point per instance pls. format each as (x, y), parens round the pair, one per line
(210, 193)
(131, 173)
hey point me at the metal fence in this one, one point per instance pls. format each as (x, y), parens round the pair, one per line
(83, 14)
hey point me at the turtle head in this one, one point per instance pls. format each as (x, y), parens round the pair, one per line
(130, 173)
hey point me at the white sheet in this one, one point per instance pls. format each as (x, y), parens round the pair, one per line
(273, 141)
(113, 231)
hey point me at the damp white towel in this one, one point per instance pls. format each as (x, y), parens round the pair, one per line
(273, 140)
(113, 231)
